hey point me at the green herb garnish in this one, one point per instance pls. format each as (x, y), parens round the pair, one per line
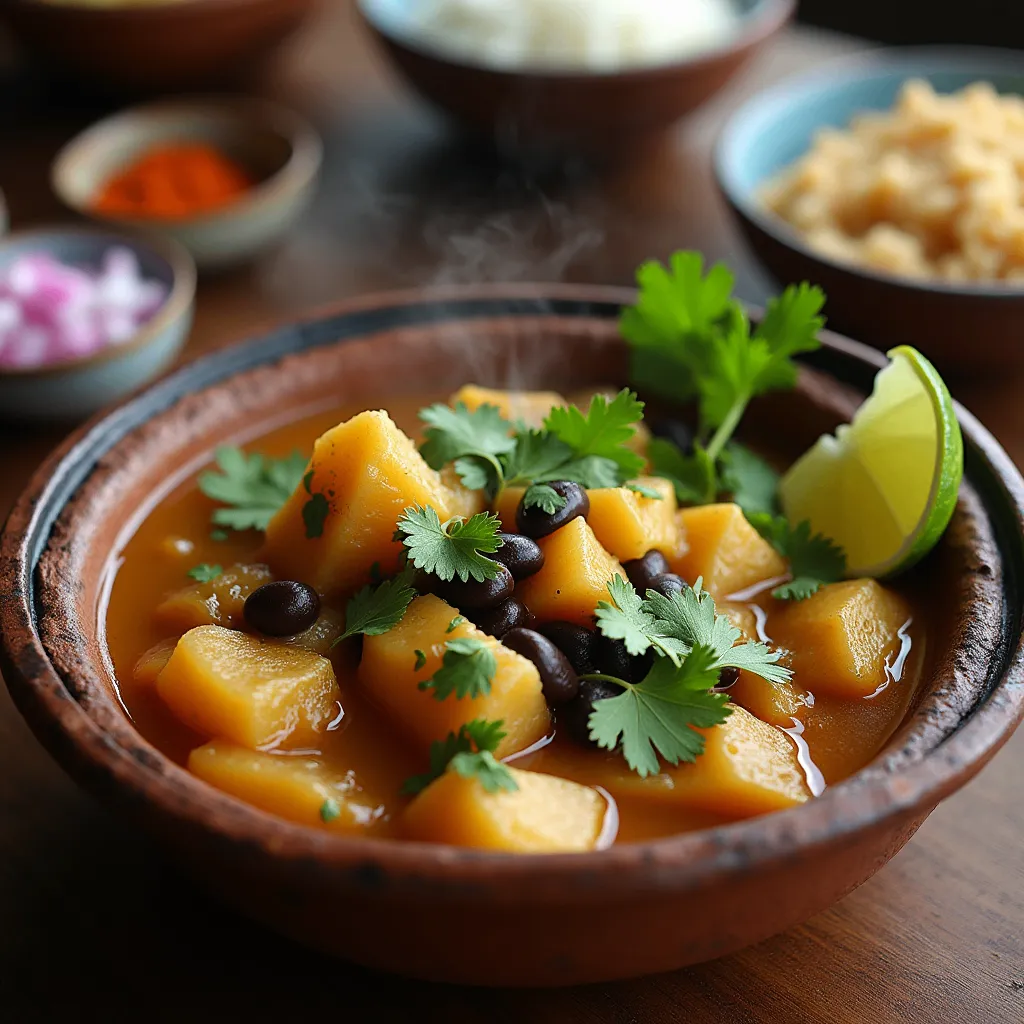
(456, 548)
(421, 660)
(814, 559)
(204, 572)
(253, 487)
(329, 810)
(467, 669)
(470, 752)
(377, 609)
(455, 623)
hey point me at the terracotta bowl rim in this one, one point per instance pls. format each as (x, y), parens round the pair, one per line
(301, 167)
(688, 860)
(179, 298)
(757, 26)
(852, 67)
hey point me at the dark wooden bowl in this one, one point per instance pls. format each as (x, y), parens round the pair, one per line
(598, 114)
(408, 907)
(187, 44)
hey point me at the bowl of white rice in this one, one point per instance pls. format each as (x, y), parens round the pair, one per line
(574, 75)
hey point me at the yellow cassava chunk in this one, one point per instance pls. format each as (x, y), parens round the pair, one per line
(388, 674)
(255, 692)
(290, 786)
(575, 576)
(628, 525)
(532, 407)
(368, 472)
(775, 703)
(461, 501)
(505, 507)
(725, 550)
(216, 603)
(840, 637)
(747, 768)
(545, 814)
(320, 637)
(152, 662)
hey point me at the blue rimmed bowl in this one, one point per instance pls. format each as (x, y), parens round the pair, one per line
(964, 328)
(75, 388)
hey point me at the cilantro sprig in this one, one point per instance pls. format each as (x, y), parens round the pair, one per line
(204, 572)
(458, 547)
(376, 609)
(470, 752)
(467, 670)
(814, 559)
(251, 487)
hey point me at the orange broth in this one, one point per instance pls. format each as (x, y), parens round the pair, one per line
(835, 737)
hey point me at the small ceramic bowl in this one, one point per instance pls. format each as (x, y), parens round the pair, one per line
(573, 111)
(964, 328)
(154, 47)
(408, 907)
(279, 149)
(76, 388)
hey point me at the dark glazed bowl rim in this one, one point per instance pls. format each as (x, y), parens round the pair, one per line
(790, 94)
(144, 778)
(756, 25)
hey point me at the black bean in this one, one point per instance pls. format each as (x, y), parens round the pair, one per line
(667, 584)
(471, 594)
(282, 608)
(557, 677)
(521, 555)
(535, 522)
(510, 614)
(642, 570)
(574, 718)
(675, 431)
(613, 659)
(575, 642)
(727, 677)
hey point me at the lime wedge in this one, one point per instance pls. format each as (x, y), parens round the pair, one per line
(885, 486)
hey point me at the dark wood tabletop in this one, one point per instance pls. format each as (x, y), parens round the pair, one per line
(96, 925)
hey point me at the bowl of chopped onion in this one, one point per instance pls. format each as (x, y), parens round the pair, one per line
(86, 317)
(554, 75)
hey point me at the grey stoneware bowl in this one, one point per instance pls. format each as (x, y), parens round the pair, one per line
(965, 328)
(76, 388)
(632, 909)
(281, 151)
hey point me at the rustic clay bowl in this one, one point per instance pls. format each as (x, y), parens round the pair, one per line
(567, 111)
(408, 907)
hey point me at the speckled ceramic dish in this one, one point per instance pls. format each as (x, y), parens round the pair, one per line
(408, 907)
(76, 388)
(965, 328)
(600, 114)
(279, 149)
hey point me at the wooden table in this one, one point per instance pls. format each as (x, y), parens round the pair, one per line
(95, 924)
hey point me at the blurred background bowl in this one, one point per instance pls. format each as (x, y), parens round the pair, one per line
(147, 47)
(278, 148)
(965, 328)
(76, 388)
(591, 112)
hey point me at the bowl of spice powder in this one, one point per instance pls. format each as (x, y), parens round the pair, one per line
(225, 177)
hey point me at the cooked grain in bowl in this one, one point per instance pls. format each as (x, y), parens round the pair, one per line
(930, 189)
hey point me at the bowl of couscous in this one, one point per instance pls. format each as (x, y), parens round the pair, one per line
(895, 180)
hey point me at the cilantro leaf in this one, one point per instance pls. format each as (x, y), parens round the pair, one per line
(204, 572)
(455, 623)
(314, 515)
(790, 325)
(486, 768)
(466, 670)
(479, 735)
(814, 559)
(752, 483)
(458, 547)
(473, 439)
(252, 487)
(329, 810)
(689, 618)
(603, 432)
(660, 714)
(693, 476)
(377, 609)
(626, 619)
(591, 471)
(421, 660)
(542, 496)
(536, 457)
(644, 490)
